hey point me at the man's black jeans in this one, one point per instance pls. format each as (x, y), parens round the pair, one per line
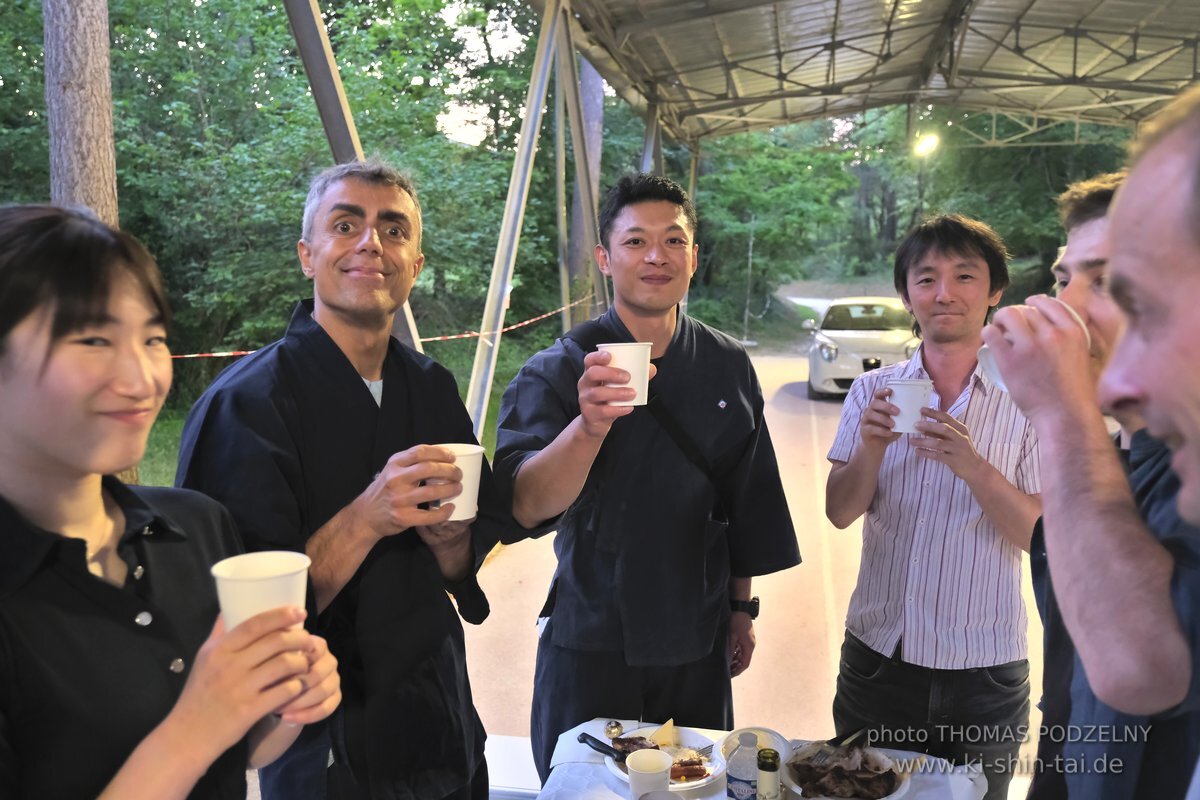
(962, 715)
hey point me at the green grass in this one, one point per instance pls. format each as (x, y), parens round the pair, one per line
(162, 450)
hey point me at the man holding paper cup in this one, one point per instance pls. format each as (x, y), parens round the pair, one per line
(1120, 548)
(666, 496)
(945, 469)
(338, 442)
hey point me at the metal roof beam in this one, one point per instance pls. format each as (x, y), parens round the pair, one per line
(654, 20)
(1082, 82)
(942, 38)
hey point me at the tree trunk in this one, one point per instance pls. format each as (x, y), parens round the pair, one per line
(83, 158)
(579, 255)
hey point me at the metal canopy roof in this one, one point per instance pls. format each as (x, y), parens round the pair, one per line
(715, 67)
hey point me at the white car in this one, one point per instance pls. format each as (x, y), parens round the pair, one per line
(855, 335)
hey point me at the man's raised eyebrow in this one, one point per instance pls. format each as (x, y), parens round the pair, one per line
(349, 208)
(395, 216)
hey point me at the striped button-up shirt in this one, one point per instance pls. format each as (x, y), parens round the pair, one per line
(936, 575)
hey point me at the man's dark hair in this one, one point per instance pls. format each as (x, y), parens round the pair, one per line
(642, 188)
(1084, 201)
(951, 234)
(67, 260)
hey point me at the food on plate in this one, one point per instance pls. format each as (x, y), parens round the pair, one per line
(629, 744)
(687, 763)
(688, 769)
(854, 771)
(666, 735)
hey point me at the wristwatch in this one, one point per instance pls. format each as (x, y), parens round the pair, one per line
(749, 606)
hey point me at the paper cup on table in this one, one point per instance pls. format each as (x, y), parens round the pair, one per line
(634, 358)
(468, 458)
(910, 395)
(649, 771)
(249, 584)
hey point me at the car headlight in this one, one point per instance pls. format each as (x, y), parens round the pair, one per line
(910, 349)
(829, 351)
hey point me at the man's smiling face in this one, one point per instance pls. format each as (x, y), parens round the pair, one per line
(364, 251)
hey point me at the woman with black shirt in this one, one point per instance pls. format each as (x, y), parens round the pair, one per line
(114, 680)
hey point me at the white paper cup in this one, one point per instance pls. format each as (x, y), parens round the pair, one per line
(910, 395)
(468, 458)
(987, 359)
(634, 358)
(987, 363)
(649, 771)
(249, 584)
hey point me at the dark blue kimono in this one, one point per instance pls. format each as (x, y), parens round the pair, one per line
(285, 439)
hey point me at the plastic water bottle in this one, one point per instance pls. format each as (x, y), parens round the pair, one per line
(741, 774)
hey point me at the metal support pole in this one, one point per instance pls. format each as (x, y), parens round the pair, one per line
(560, 193)
(569, 83)
(484, 370)
(330, 96)
(649, 143)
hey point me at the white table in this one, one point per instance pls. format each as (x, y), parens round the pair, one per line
(579, 773)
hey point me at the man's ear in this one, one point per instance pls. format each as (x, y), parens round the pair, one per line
(305, 252)
(602, 259)
(418, 265)
(695, 259)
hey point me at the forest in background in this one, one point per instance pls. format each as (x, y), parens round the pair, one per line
(217, 137)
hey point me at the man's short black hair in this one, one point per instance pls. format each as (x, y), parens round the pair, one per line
(642, 188)
(951, 234)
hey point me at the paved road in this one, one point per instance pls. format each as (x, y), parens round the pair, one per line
(790, 684)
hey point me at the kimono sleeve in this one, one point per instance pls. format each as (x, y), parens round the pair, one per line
(237, 450)
(537, 406)
(762, 537)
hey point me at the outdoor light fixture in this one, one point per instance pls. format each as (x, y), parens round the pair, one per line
(925, 145)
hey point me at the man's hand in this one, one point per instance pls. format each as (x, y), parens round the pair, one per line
(741, 642)
(420, 474)
(450, 543)
(595, 395)
(878, 419)
(946, 440)
(1043, 354)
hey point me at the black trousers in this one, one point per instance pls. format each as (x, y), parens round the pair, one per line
(962, 715)
(574, 686)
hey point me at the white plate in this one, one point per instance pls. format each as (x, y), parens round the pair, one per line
(687, 738)
(785, 777)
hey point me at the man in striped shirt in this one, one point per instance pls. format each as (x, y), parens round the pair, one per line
(935, 652)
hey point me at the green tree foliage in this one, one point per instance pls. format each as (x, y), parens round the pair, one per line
(218, 136)
(777, 185)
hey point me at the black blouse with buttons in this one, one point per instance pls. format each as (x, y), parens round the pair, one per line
(87, 669)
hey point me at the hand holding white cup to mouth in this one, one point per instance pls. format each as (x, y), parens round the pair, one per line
(987, 359)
